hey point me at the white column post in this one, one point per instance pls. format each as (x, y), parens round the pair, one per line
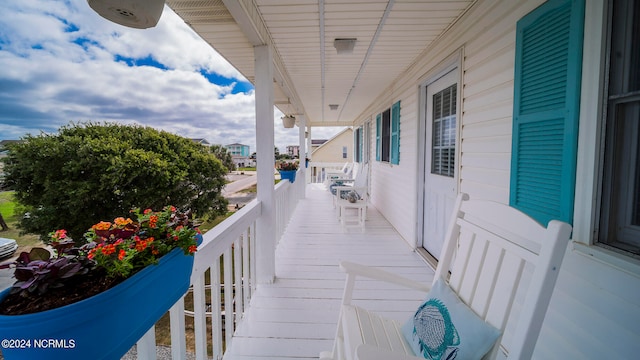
(302, 154)
(266, 232)
(309, 149)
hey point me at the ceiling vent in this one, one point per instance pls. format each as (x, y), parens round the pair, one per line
(333, 106)
(344, 46)
(139, 14)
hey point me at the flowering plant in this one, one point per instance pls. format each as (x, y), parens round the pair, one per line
(287, 165)
(118, 249)
(125, 246)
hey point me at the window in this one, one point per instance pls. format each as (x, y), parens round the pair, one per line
(388, 135)
(358, 145)
(444, 132)
(620, 196)
(548, 68)
(344, 152)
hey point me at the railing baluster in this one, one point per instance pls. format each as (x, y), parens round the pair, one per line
(237, 274)
(216, 310)
(246, 276)
(252, 256)
(228, 297)
(146, 346)
(178, 341)
(199, 317)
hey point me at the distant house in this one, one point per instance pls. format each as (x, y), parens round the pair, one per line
(338, 149)
(293, 150)
(240, 154)
(238, 149)
(201, 141)
(316, 143)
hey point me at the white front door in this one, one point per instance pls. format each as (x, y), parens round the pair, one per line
(440, 157)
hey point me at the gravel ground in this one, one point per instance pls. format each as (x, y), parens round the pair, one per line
(162, 353)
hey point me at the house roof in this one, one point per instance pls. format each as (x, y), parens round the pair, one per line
(201, 141)
(309, 74)
(326, 142)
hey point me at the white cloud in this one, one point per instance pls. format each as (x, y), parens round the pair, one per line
(58, 61)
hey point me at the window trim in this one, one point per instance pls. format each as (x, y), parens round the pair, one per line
(589, 162)
(392, 139)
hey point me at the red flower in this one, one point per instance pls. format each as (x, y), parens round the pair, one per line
(192, 249)
(121, 254)
(153, 221)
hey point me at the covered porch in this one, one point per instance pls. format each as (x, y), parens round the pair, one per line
(295, 316)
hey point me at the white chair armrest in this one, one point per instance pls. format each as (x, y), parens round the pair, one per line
(377, 274)
(369, 352)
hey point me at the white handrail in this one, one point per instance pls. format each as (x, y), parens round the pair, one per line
(227, 253)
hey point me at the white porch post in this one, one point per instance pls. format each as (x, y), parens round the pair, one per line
(308, 148)
(266, 232)
(302, 154)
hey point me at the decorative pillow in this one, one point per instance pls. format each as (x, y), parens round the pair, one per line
(445, 328)
(351, 195)
(333, 185)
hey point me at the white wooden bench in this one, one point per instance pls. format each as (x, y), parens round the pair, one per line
(486, 251)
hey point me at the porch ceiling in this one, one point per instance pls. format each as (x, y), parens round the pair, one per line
(309, 75)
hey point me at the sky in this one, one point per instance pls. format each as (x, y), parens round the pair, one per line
(62, 63)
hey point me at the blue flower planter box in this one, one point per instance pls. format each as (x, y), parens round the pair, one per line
(288, 175)
(104, 326)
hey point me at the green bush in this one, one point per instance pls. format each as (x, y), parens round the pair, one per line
(90, 172)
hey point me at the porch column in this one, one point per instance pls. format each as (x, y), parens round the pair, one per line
(266, 232)
(302, 154)
(308, 128)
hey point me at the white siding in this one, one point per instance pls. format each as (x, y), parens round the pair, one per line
(595, 310)
(393, 187)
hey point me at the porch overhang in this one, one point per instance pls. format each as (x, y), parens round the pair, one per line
(310, 76)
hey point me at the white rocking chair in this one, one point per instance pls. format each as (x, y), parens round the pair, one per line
(486, 248)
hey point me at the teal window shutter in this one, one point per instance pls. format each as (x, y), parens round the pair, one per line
(361, 144)
(548, 69)
(378, 136)
(395, 133)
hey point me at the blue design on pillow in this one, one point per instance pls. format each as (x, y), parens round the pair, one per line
(470, 338)
(435, 332)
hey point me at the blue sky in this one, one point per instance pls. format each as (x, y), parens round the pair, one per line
(60, 62)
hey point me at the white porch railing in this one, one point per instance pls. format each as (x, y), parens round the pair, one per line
(226, 260)
(317, 170)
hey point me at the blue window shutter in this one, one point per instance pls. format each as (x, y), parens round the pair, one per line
(548, 69)
(378, 136)
(395, 133)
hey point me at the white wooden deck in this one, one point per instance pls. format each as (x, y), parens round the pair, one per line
(295, 317)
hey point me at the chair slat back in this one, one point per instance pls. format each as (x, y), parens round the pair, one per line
(361, 177)
(487, 248)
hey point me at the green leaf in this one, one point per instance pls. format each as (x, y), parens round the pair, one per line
(39, 254)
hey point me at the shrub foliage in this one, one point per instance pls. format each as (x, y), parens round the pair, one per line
(88, 172)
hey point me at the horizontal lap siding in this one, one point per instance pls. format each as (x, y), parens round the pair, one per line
(393, 187)
(487, 109)
(594, 313)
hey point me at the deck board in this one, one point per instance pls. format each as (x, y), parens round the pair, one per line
(296, 316)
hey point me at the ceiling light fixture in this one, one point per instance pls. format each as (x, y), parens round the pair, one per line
(345, 45)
